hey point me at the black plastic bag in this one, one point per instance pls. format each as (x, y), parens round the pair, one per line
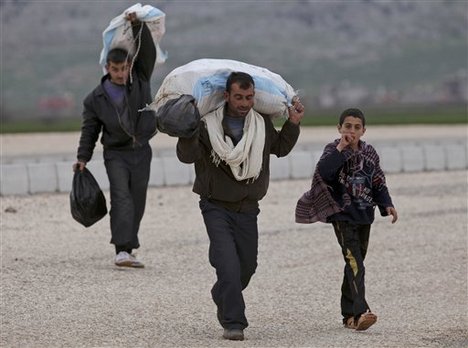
(87, 202)
(179, 117)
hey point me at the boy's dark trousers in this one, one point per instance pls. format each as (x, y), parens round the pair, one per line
(128, 172)
(354, 240)
(233, 253)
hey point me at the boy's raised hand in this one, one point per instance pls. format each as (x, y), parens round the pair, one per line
(392, 211)
(345, 141)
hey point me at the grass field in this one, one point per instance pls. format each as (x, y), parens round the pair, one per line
(397, 115)
(390, 116)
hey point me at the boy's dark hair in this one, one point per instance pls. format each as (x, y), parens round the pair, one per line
(117, 55)
(354, 113)
(243, 79)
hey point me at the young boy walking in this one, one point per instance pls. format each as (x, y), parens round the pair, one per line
(347, 185)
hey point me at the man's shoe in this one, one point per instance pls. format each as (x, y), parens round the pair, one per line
(124, 259)
(233, 334)
(365, 321)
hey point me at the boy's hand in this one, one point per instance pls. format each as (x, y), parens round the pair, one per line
(345, 141)
(392, 211)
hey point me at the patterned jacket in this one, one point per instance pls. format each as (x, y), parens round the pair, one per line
(346, 186)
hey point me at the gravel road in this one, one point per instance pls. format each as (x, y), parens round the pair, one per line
(59, 287)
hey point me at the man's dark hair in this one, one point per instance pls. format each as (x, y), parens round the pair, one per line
(244, 80)
(117, 55)
(354, 113)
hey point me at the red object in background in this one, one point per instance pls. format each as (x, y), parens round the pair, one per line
(56, 103)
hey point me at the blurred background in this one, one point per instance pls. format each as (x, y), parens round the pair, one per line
(406, 61)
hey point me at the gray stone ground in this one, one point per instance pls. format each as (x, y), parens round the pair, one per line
(59, 287)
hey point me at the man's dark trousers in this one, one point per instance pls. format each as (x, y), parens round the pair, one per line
(233, 253)
(354, 240)
(128, 172)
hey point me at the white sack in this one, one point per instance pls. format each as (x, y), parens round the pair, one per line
(205, 80)
(119, 32)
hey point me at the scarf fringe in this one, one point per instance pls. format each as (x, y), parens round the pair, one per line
(215, 158)
(252, 180)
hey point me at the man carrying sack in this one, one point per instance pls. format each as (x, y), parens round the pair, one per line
(113, 108)
(231, 151)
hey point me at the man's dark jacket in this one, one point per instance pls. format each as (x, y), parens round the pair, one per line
(217, 183)
(122, 130)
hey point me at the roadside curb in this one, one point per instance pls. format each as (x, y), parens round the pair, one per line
(32, 178)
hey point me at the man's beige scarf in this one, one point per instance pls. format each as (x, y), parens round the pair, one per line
(245, 159)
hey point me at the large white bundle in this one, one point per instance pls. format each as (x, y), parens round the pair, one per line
(119, 32)
(205, 80)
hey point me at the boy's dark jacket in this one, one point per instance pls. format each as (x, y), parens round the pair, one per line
(217, 183)
(129, 130)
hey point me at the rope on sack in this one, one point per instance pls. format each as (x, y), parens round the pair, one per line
(136, 52)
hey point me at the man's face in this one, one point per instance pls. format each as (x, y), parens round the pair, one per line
(118, 72)
(239, 101)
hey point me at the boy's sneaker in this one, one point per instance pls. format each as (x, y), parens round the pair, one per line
(365, 321)
(124, 259)
(233, 334)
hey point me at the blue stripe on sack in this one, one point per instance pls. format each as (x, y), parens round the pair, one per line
(210, 84)
(108, 37)
(268, 86)
(154, 12)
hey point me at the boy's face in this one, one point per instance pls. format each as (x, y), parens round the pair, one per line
(118, 72)
(352, 128)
